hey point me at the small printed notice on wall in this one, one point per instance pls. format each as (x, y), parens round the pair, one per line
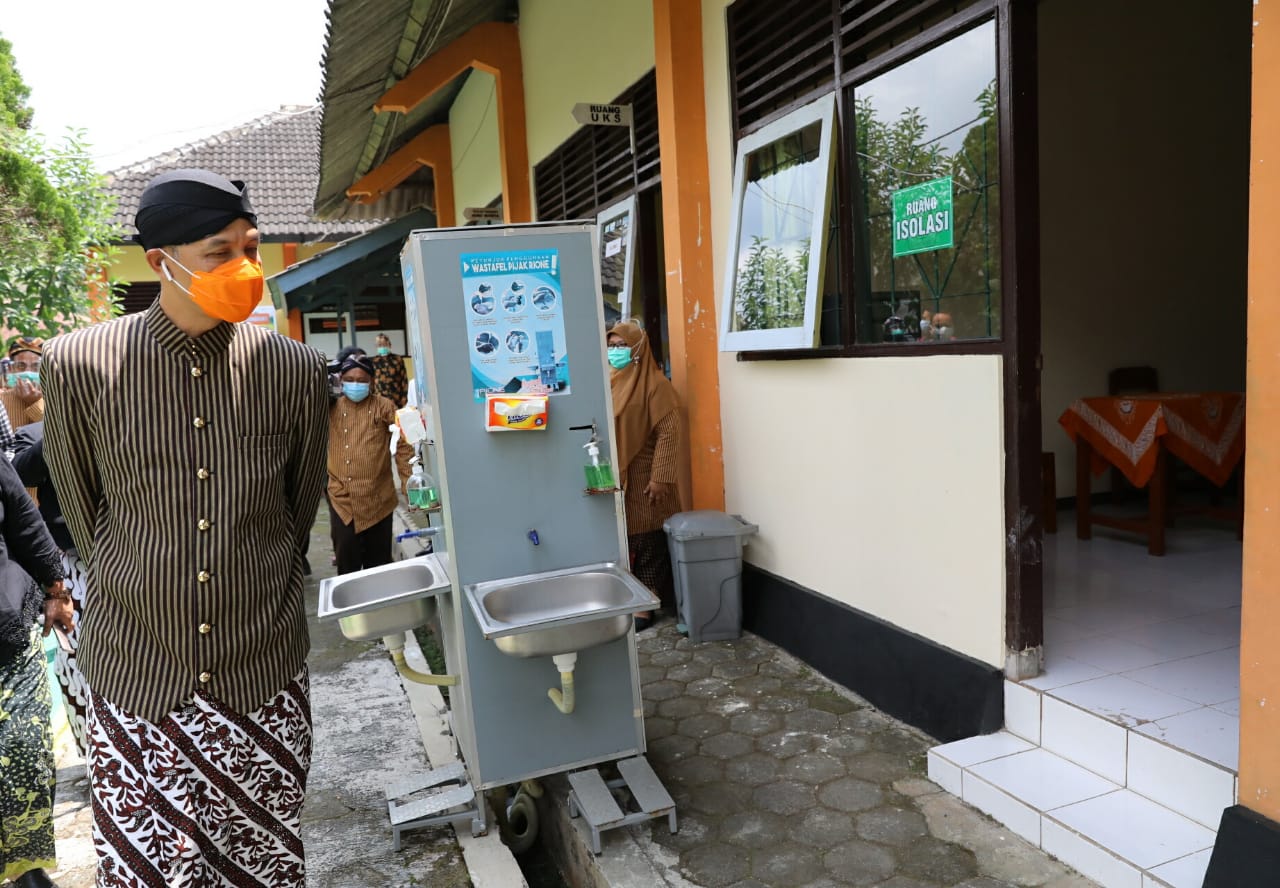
(515, 323)
(922, 218)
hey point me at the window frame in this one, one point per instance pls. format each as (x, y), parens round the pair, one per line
(624, 207)
(822, 111)
(841, 88)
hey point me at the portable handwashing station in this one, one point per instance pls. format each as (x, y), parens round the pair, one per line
(528, 574)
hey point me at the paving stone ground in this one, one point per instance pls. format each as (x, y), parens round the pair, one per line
(782, 778)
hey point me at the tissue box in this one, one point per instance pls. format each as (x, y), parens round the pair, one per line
(515, 413)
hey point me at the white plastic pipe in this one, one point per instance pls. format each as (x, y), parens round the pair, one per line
(395, 644)
(563, 696)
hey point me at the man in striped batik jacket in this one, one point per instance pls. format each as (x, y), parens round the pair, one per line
(188, 451)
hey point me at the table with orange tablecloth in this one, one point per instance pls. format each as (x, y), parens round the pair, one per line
(1135, 432)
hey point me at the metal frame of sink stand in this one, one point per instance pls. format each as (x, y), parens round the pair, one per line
(591, 796)
(450, 798)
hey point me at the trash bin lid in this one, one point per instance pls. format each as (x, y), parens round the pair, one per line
(707, 523)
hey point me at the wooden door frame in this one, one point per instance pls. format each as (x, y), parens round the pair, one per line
(1020, 228)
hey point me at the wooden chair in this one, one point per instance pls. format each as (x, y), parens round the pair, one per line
(1048, 493)
(1129, 381)
(1133, 381)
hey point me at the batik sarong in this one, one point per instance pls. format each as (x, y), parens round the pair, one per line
(205, 797)
(75, 693)
(26, 763)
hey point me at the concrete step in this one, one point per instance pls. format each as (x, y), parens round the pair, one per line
(1124, 808)
(1193, 786)
(1111, 834)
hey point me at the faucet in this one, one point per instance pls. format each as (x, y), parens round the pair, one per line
(423, 536)
(418, 533)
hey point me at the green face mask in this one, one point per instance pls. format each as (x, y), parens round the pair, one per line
(619, 357)
(32, 376)
(383, 350)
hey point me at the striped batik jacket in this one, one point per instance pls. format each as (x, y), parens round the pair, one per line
(189, 471)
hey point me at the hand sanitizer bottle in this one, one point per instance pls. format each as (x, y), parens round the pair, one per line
(599, 472)
(421, 488)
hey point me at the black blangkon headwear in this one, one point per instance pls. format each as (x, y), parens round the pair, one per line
(353, 362)
(183, 206)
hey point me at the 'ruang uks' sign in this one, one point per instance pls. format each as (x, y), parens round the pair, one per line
(923, 218)
(587, 114)
(482, 214)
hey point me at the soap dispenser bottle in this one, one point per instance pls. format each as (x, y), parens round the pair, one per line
(599, 472)
(421, 488)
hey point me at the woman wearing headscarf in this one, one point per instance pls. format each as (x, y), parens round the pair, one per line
(362, 491)
(646, 420)
(26, 742)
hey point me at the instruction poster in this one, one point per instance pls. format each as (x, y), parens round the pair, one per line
(515, 322)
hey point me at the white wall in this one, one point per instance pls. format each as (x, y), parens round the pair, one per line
(1144, 152)
(473, 142)
(578, 51)
(877, 482)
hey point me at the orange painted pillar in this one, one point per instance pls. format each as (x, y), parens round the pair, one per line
(686, 217)
(1260, 614)
(100, 308)
(432, 148)
(493, 47)
(295, 325)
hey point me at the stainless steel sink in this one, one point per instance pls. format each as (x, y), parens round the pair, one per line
(384, 600)
(560, 611)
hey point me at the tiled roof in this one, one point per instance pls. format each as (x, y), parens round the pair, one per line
(277, 155)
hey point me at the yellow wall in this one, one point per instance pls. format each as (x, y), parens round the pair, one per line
(132, 264)
(578, 51)
(1143, 248)
(473, 137)
(877, 482)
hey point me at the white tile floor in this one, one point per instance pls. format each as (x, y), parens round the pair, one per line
(1120, 757)
(1149, 643)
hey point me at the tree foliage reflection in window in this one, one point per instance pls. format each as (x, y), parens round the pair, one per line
(782, 200)
(932, 117)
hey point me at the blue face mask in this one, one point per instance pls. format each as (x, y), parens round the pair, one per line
(31, 376)
(383, 350)
(619, 357)
(356, 391)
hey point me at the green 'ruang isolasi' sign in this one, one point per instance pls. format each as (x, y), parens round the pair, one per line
(922, 218)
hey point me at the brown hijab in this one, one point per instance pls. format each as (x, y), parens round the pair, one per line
(642, 395)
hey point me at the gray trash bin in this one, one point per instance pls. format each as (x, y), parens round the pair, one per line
(706, 559)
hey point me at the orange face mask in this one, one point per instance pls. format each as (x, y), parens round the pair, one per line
(229, 293)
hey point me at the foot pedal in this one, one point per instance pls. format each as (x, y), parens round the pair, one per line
(454, 772)
(439, 796)
(592, 797)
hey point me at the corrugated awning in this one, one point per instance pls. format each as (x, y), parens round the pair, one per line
(362, 269)
(370, 46)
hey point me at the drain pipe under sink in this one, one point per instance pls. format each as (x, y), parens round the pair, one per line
(562, 696)
(395, 644)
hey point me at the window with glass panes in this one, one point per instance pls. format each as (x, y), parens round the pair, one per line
(913, 252)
